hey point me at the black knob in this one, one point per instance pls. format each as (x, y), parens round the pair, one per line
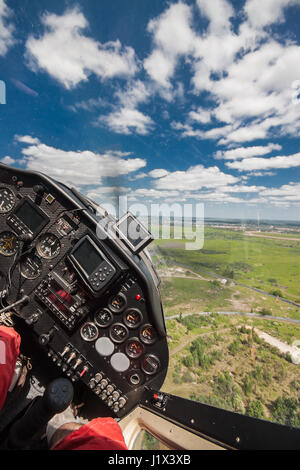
(57, 397)
(44, 338)
(39, 189)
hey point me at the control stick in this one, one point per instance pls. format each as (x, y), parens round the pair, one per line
(57, 397)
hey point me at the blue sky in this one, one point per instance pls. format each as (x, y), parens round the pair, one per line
(189, 101)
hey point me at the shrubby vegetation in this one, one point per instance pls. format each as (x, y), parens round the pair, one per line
(287, 411)
(256, 409)
(198, 357)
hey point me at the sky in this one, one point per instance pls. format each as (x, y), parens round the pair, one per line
(188, 102)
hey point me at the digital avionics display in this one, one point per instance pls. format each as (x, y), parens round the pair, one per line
(27, 214)
(135, 235)
(87, 257)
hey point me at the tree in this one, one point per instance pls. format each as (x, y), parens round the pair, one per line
(287, 411)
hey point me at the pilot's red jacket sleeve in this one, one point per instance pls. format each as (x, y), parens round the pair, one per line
(9, 351)
(99, 434)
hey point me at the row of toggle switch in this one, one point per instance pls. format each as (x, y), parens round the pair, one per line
(70, 361)
(107, 392)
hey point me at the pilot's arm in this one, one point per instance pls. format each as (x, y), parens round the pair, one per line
(98, 434)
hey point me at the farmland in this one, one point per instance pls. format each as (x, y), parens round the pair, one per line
(220, 359)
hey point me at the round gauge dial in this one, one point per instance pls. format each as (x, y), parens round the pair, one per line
(134, 348)
(31, 267)
(89, 332)
(48, 246)
(148, 334)
(7, 200)
(118, 332)
(117, 303)
(9, 243)
(150, 364)
(133, 318)
(103, 318)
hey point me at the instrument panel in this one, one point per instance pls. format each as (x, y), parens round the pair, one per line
(95, 308)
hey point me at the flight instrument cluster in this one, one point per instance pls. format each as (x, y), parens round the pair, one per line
(91, 298)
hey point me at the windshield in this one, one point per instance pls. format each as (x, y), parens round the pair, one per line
(187, 114)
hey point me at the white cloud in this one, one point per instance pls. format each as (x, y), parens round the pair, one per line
(127, 121)
(195, 178)
(252, 164)
(70, 57)
(154, 193)
(286, 195)
(247, 72)
(135, 93)
(241, 189)
(139, 176)
(126, 118)
(27, 139)
(201, 115)
(173, 37)
(246, 152)
(6, 29)
(218, 13)
(8, 160)
(286, 190)
(158, 173)
(79, 168)
(88, 105)
(261, 14)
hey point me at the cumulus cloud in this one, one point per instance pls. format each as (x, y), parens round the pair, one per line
(27, 139)
(158, 173)
(218, 13)
(126, 121)
(172, 37)
(247, 71)
(70, 56)
(125, 117)
(261, 14)
(201, 115)
(6, 28)
(8, 160)
(139, 176)
(252, 164)
(195, 178)
(246, 152)
(79, 168)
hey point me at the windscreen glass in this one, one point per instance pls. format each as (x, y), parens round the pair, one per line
(186, 114)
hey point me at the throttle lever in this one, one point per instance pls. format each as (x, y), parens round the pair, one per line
(57, 397)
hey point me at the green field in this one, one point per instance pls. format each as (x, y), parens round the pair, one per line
(188, 295)
(268, 264)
